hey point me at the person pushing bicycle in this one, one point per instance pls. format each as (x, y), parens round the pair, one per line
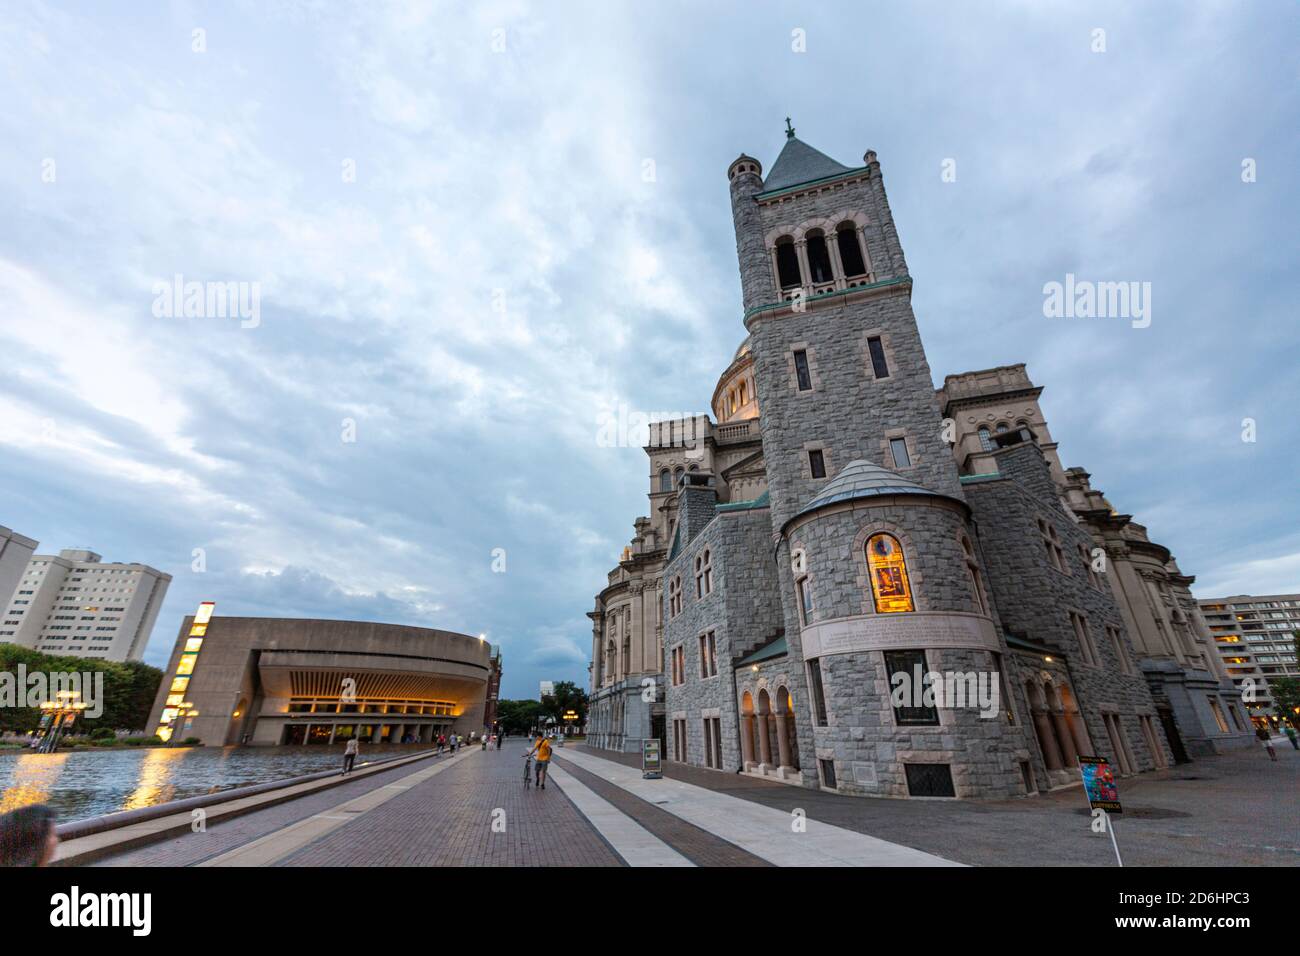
(543, 750)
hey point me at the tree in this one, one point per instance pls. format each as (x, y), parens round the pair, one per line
(518, 716)
(129, 689)
(568, 696)
(1285, 691)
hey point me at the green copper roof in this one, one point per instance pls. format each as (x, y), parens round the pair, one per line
(777, 648)
(800, 163)
(762, 501)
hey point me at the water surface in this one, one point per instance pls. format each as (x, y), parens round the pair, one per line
(87, 783)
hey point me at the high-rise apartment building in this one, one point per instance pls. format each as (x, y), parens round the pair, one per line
(15, 551)
(1255, 636)
(73, 603)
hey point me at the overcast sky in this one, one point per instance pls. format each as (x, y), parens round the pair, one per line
(477, 230)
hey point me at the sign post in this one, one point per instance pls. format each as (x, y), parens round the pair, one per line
(1103, 793)
(651, 765)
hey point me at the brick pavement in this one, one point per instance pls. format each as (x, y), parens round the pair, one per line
(1238, 809)
(447, 821)
(699, 846)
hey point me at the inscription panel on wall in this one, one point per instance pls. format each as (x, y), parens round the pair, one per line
(883, 632)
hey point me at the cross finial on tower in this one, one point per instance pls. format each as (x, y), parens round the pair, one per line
(789, 130)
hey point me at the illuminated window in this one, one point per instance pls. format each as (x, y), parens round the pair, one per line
(186, 665)
(193, 644)
(888, 570)
(179, 685)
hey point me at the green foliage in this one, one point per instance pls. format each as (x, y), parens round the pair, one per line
(518, 716)
(129, 690)
(567, 696)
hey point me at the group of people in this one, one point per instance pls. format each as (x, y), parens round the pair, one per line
(450, 743)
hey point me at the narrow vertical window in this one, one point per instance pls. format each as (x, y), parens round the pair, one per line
(665, 480)
(801, 371)
(805, 601)
(986, 439)
(878, 364)
(888, 568)
(818, 692)
(816, 463)
(898, 448)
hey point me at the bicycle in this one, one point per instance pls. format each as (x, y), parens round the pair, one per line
(528, 770)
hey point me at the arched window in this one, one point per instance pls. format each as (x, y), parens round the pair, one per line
(665, 480)
(1002, 428)
(787, 264)
(819, 257)
(888, 567)
(677, 476)
(742, 393)
(846, 233)
(986, 440)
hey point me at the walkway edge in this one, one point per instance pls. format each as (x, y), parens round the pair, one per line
(104, 843)
(633, 842)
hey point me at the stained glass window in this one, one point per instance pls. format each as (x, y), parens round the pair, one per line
(888, 569)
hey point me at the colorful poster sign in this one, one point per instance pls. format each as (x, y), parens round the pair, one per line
(651, 763)
(1099, 784)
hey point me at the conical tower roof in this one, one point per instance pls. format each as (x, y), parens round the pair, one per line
(863, 479)
(800, 163)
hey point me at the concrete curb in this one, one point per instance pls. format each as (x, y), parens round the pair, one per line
(94, 840)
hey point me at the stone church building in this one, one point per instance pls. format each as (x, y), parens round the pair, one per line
(850, 580)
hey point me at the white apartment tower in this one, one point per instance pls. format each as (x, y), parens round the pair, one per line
(15, 551)
(75, 604)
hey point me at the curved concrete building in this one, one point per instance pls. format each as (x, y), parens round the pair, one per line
(278, 681)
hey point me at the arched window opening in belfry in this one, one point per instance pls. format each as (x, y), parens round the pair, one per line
(889, 583)
(787, 264)
(850, 252)
(819, 257)
(665, 480)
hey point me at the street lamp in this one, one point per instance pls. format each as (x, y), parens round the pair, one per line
(57, 716)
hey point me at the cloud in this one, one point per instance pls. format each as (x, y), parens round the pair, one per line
(501, 273)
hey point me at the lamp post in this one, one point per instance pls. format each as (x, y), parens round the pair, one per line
(58, 715)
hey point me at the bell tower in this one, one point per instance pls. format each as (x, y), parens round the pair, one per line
(840, 370)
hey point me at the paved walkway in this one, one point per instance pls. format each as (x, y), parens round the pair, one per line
(1238, 809)
(472, 810)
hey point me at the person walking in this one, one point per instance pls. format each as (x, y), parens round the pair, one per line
(350, 755)
(485, 736)
(27, 836)
(543, 751)
(1291, 736)
(499, 736)
(1266, 739)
